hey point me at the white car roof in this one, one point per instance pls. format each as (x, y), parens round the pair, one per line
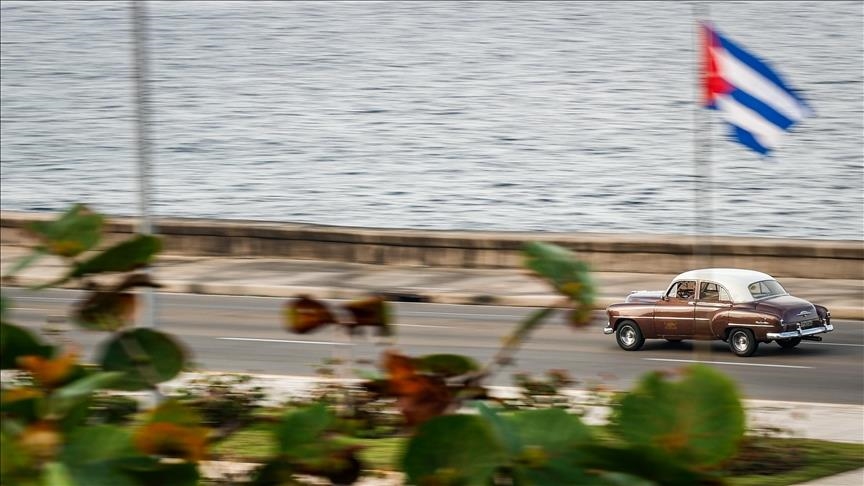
(735, 280)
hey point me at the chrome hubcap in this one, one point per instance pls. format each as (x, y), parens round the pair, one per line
(740, 342)
(628, 336)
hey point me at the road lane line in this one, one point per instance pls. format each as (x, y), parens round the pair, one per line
(837, 344)
(423, 325)
(331, 343)
(727, 363)
(457, 314)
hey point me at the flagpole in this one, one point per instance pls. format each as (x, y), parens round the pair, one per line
(142, 101)
(703, 210)
(703, 197)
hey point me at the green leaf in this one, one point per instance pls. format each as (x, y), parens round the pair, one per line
(698, 420)
(454, 449)
(94, 455)
(527, 326)
(56, 474)
(150, 471)
(26, 261)
(618, 465)
(146, 356)
(16, 341)
(4, 308)
(562, 269)
(74, 232)
(97, 443)
(549, 440)
(71, 395)
(16, 466)
(133, 253)
(504, 430)
(553, 429)
(446, 365)
(300, 428)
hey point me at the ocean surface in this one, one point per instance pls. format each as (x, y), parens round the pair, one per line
(527, 116)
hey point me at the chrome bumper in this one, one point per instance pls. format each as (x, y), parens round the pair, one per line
(800, 332)
(608, 329)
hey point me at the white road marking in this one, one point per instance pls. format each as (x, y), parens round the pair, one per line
(330, 343)
(727, 363)
(454, 314)
(836, 344)
(422, 325)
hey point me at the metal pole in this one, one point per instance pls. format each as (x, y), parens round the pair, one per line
(142, 104)
(703, 199)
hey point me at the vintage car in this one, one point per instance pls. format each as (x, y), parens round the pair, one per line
(742, 307)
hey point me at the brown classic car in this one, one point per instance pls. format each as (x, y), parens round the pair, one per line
(742, 307)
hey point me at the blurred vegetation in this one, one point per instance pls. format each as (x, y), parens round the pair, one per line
(431, 417)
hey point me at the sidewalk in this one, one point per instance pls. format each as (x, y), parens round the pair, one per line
(288, 278)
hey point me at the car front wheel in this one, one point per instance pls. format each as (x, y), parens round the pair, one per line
(629, 336)
(742, 342)
(789, 343)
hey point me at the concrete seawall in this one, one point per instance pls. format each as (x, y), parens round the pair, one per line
(836, 259)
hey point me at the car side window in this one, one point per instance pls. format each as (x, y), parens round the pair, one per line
(711, 292)
(708, 292)
(685, 289)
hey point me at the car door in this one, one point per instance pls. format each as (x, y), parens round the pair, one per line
(674, 313)
(713, 300)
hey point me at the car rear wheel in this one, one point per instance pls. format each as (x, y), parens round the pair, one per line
(629, 336)
(789, 343)
(742, 342)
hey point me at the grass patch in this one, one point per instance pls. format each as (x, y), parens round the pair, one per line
(256, 443)
(809, 459)
(381, 454)
(761, 462)
(252, 444)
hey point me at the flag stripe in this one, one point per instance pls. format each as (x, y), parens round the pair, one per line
(764, 110)
(766, 133)
(742, 77)
(748, 139)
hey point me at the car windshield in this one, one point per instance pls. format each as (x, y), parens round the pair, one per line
(766, 288)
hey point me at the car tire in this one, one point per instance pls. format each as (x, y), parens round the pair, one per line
(742, 342)
(629, 336)
(789, 343)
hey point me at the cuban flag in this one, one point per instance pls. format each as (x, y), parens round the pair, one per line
(752, 97)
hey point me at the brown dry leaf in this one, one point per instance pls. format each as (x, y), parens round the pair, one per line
(305, 314)
(172, 440)
(16, 394)
(371, 312)
(106, 311)
(50, 373)
(42, 440)
(419, 397)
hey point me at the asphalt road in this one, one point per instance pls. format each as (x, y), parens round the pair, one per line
(245, 334)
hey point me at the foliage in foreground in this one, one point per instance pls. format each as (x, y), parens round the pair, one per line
(669, 430)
